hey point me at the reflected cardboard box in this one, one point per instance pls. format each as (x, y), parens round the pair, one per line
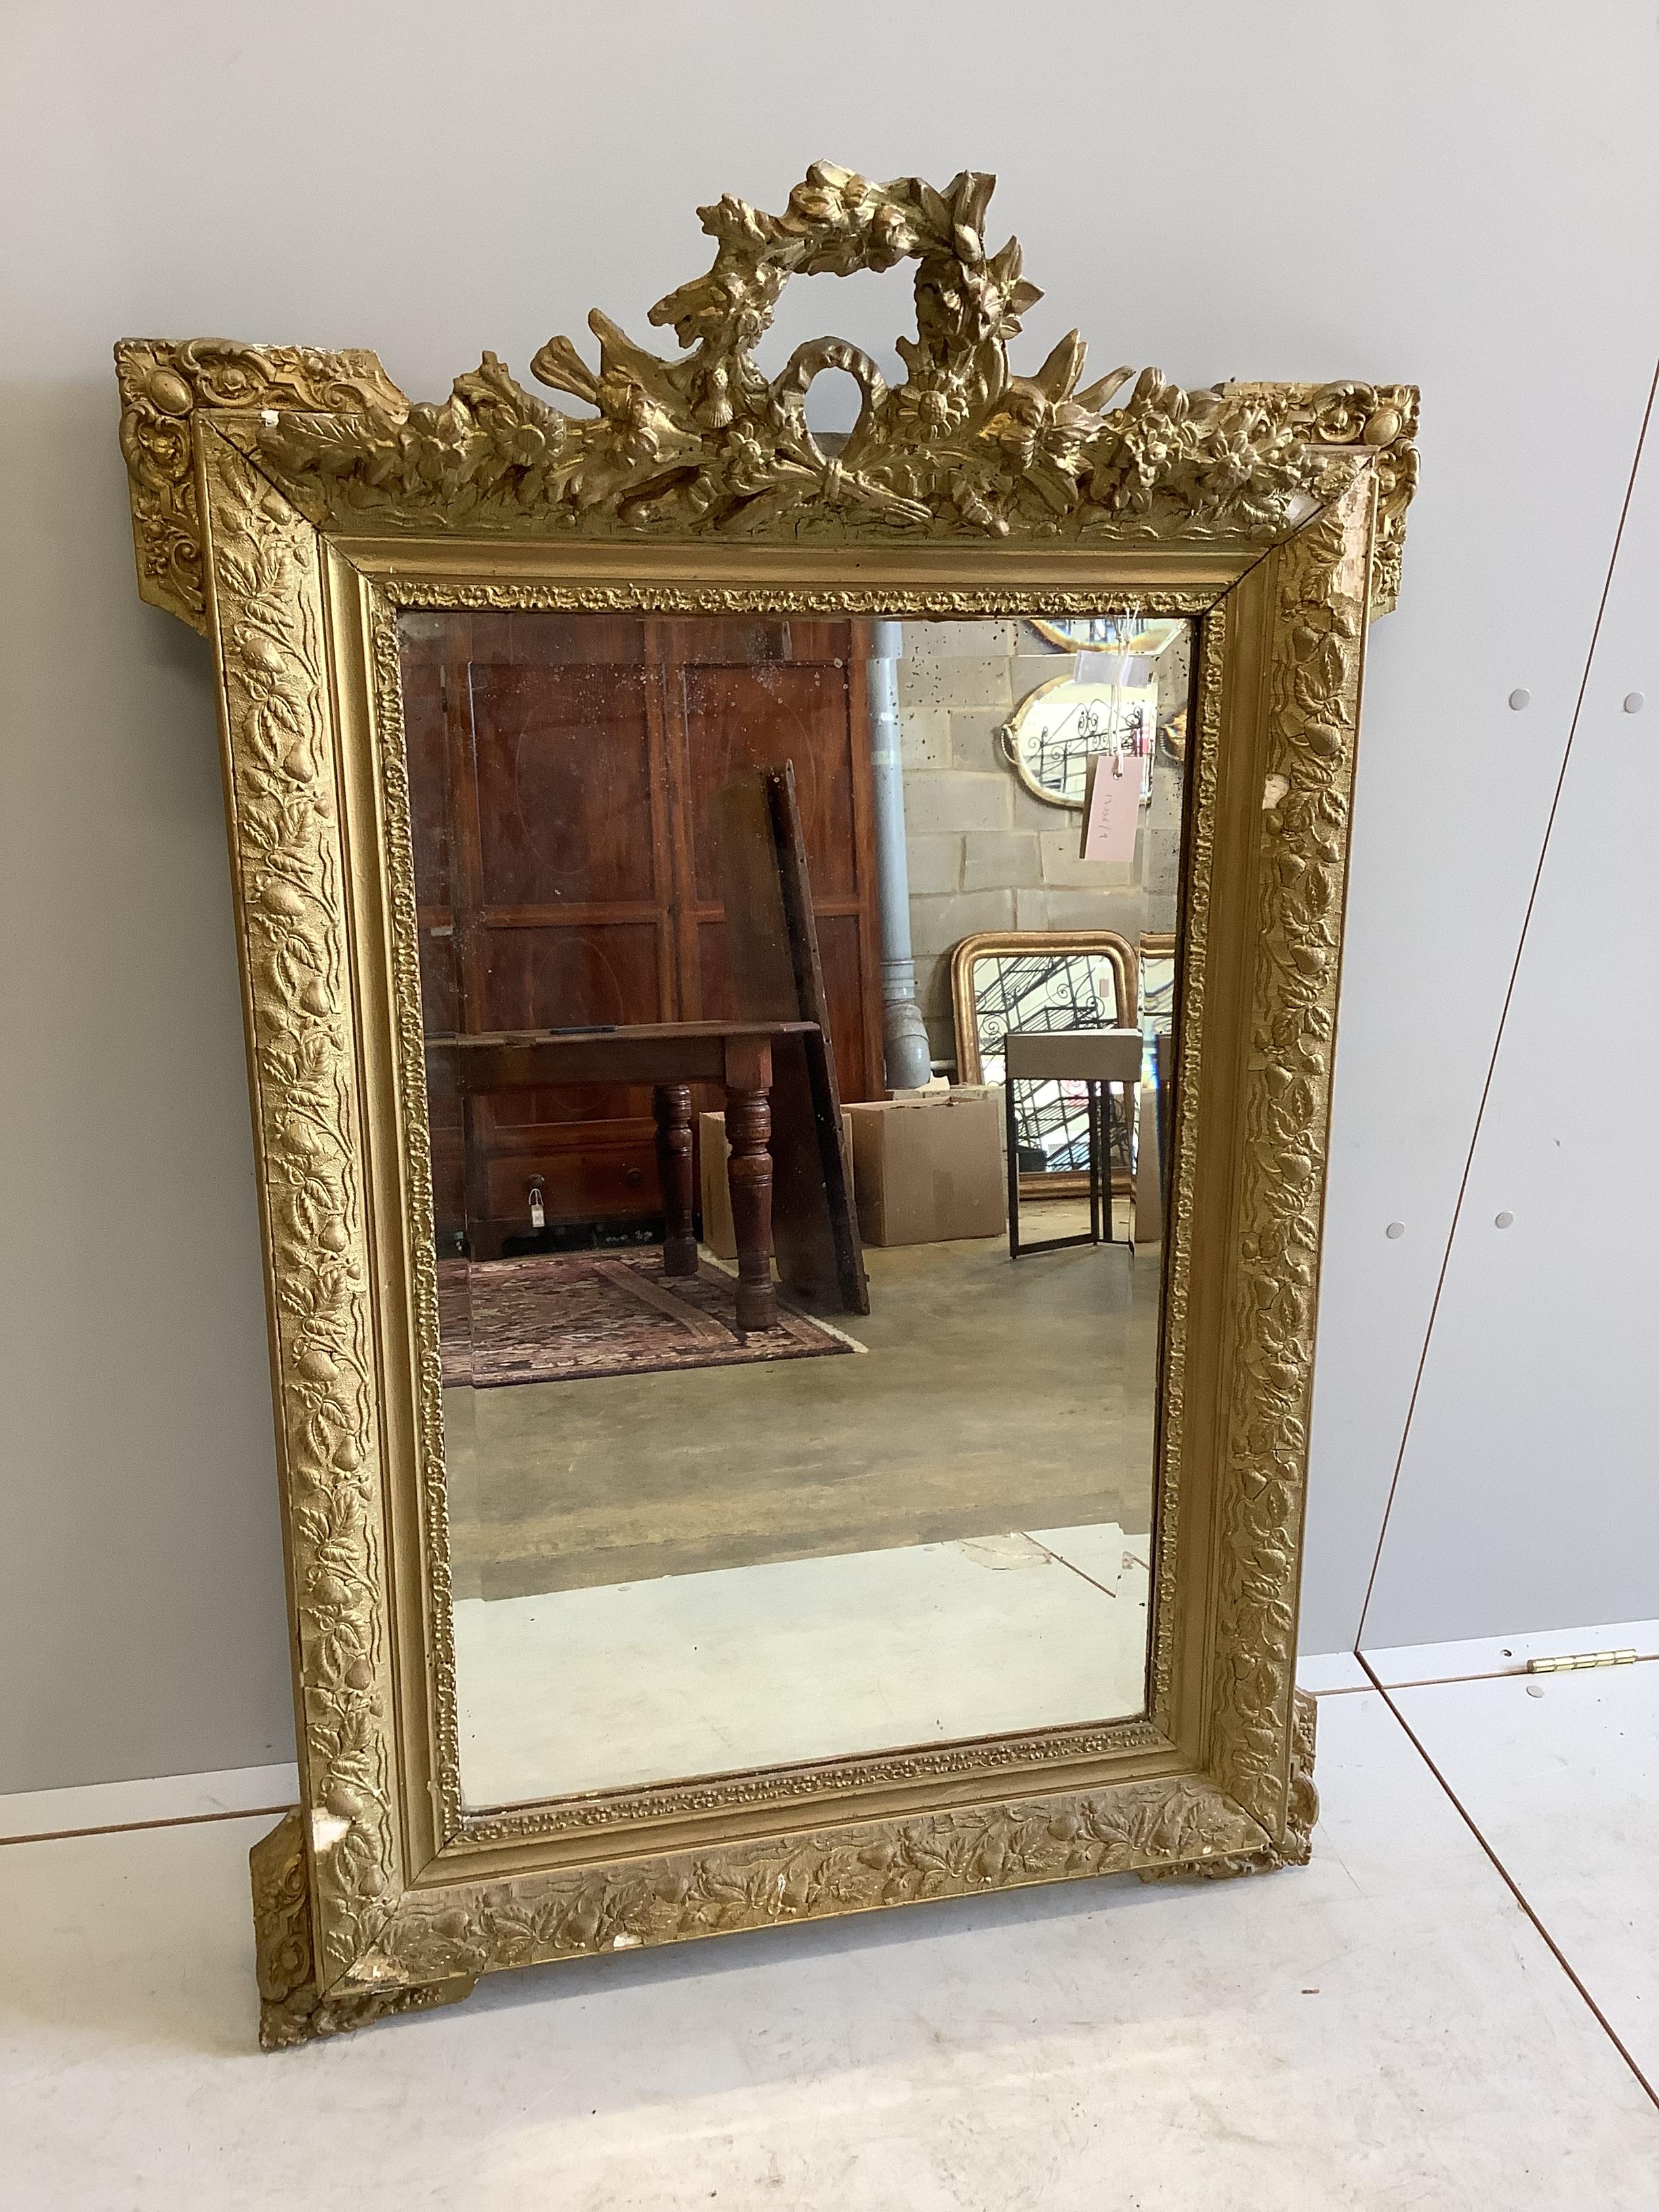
(713, 1153)
(925, 1169)
(928, 1169)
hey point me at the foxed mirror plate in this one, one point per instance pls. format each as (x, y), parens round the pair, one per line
(681, 1548)
(1117, 686)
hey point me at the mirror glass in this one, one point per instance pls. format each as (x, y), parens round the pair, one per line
(760, 1446)
(1056, 731)
(1120, 681)
(1029, 981)
(1158, 966)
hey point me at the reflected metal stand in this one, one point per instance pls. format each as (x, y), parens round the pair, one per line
(1099, 1201)
(1099, 1060)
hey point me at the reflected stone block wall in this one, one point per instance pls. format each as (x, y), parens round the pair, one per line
(983, 852)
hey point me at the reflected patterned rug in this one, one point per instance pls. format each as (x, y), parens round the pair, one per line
(559, 1317)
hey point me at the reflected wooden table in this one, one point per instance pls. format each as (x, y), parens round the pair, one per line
(670, 1057)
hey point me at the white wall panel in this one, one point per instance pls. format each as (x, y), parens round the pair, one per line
(1528, 1493)
(1462, 195)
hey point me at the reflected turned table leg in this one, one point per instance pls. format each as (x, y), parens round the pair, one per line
(671, 1104)
(748, 1128)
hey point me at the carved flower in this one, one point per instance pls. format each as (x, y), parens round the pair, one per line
(942, 410)
(1029, 430)
(1140, 448)
(503, 429)
(1013, 432)
(845, 223)
(830, 200)
(635, 433)
(751, 462)
(1230, 464)
(1246, 467)
(890, 237)
(161, 447)
(523, 444)
(816, 203)
(966, 298)
(929, 411)
(432, 448)
(634, 418)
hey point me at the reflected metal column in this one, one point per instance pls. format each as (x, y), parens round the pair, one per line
(904, 1033)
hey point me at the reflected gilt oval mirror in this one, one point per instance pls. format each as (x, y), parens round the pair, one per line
(1122, 691)
(745, 1456)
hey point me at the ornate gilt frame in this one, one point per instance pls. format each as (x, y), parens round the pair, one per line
(290, 503)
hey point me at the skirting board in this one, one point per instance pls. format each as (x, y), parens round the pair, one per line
(31, 1814)
(1481, 1656)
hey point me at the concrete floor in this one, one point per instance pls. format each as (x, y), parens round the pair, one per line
(565, 1486)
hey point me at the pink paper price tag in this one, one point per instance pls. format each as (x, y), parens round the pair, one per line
(1111, 808)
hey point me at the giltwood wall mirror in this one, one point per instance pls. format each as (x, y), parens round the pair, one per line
(606, 791)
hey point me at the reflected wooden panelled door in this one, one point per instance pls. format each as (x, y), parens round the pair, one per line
(563, 774)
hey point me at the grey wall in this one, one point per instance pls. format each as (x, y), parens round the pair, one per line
(1462, 195)
(1528, 1485)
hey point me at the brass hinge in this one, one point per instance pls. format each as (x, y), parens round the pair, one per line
(1570, 1662)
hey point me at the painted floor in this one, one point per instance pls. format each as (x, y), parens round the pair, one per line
(1386, 2029)
(798, 1660)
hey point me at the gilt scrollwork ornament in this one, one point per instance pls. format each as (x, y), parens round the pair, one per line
(292, 2008)
(936, 1855)
(162, 387)
(1294, 1846)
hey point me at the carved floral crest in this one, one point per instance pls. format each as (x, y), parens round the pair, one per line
(708, 445)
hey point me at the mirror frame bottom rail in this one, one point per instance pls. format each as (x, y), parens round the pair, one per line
(685, 1896)
(291, 504)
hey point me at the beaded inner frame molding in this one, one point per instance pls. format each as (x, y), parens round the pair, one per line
(290, 503)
